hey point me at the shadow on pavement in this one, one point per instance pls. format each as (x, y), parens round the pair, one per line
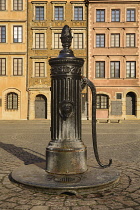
(19, 152)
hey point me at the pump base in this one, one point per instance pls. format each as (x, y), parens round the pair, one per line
(94, 179)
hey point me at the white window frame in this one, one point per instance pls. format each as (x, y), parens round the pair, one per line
(45, 66)
(39, 4)
(78, 5)
(53, 43)
(80, 31)
(41, 31)
(59, 4)
(135, 14)
(5, 6)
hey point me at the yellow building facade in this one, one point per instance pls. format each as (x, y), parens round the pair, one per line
(13, 60)
(45, 22)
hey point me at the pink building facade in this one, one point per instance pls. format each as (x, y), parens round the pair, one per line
(114, 57)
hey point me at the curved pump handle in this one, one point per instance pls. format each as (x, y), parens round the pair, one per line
(85, 82)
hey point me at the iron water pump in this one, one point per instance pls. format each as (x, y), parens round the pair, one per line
(65, 168)
(66, 153)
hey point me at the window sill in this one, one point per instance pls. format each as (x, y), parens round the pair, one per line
(78, 20)
(11, 110)
(17, 10)
(39, 77)
(38, 21)
(39, 48)
(58, 20)
(16, 75)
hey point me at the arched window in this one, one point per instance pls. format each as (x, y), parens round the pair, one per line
(102, 101)
(12, 101)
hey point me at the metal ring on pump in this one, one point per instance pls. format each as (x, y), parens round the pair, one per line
(85, 82)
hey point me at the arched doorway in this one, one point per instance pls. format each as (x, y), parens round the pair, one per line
(130, 103)
(41, 107)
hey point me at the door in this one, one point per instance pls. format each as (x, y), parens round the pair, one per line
(41, 107)
(130, 103)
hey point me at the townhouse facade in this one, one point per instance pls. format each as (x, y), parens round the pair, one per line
(114, 57)
(45, 22)
(13, 59)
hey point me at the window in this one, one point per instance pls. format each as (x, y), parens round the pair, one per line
(130, 69)
(2, 34)
(12, 101)
(115, 15)
(39, 13)
(100, 40)
(2, 5)
(100, 69)
(18, 5)
(58, 13)
(17, 66)
(39, 40)
(118, 95)
(100, 15)
(130, 40)
(2, 66)
(39, 69)
(130, 16)
(102, 101)
(114, 69)
(78, 40)
(78, 13)
(115, 40)
(17, 34)
(57, 41)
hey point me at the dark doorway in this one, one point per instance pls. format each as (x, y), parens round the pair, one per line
(41, 107)
(130, 103)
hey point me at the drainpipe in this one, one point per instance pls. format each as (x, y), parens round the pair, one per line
(86, 4)
(27, 89)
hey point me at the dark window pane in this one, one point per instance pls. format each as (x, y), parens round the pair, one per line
(100, 15)
(58, 13)
(130, 15)
(100, 69)
(2, 34)
(2, 66)
(100, 40)
(130, 69)
(115, 15)
(2, 5)
(39, 14)
(12, 101)
(102, 101)
(78, 13)
(114, 69)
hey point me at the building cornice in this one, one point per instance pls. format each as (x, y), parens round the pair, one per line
(13, 53)
(13, 20)
(112, 2)
(39, 57)
(77, 2)
(58, 2)
(39, 2)
(39, 28)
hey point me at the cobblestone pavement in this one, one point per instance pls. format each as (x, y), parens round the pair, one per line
(24, 142)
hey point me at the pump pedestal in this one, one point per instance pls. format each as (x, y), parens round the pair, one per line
(94, 179)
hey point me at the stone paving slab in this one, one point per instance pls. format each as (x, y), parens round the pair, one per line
(24, 143)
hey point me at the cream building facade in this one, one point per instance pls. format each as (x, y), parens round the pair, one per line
(114, 57)
(13, 59)
(45, 22)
